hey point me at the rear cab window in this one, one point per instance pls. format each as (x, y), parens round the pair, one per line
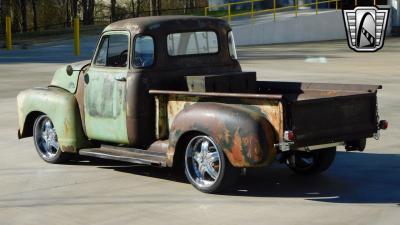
(192, 43)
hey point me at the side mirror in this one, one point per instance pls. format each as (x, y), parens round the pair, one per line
(69, 70)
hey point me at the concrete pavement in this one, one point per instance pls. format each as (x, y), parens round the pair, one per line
(360, 188)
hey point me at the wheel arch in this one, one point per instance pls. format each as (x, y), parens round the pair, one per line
(61, 107)
(27, 128)
(245, 136)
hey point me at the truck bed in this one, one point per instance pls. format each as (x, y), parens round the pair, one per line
(318, 113)
(326, 113)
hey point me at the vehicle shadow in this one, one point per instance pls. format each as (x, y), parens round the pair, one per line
(353, 178)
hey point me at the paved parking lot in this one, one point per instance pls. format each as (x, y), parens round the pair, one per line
(360, 188)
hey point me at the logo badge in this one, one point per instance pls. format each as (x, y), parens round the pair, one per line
(365, 28)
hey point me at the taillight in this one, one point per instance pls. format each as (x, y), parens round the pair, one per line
(383, 124)
(288, 135)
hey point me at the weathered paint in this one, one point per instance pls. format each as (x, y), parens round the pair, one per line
(245, 135)
(104, 100)
(271, 109)
(68, 82)
(105, 106)
(244, 120)
(61, 107)
(245, 130)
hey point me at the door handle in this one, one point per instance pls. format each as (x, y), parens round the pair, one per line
(86, 78)
(120, 77)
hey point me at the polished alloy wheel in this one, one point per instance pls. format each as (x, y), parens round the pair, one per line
(202, 161)
(46, 138)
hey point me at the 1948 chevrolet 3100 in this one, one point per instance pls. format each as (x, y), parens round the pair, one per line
(169, 91)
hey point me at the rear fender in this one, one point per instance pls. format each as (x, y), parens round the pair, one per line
(61, 107)
(244, 134)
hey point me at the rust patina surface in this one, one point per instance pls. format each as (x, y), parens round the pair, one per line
(245, 129)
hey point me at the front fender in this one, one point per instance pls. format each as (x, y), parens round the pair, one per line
(244, 134)
(61, 107)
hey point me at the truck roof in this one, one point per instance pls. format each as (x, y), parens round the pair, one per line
(168, 24)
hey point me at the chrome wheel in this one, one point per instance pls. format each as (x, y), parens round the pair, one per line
(202, 161)
(45, 138)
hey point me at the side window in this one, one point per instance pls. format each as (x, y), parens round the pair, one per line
(231, 44)
(101, 58)
(144, 51)
(113, 51)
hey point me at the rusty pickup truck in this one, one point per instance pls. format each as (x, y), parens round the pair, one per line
(169, 91)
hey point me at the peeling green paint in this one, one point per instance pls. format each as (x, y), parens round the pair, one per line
(62, 109)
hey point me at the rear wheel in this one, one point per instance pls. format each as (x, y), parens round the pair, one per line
(309, 163)
(206, 167)
(46, 141)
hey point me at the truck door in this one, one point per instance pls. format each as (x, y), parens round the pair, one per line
(105, 89)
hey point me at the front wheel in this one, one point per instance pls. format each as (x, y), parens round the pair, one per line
(310, 163)
(206, 167)
(46, 141)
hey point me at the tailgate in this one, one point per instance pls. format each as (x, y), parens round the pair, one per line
(332, 119)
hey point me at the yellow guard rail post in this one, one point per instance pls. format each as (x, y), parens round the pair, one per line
(77, 47)
(296, 7)
(252, 9)
(316, 7)
(274, 10)
(229, 12)
(8, 33)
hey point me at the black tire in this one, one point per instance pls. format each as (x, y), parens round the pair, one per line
(311, 163)
(226, 174)
(44, 133)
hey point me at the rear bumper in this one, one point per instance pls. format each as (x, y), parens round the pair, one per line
(287, 146)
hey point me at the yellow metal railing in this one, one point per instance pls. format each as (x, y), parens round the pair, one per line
(8, 33)
(77, 45)
(229, 13)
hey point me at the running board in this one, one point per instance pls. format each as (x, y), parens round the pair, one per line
(132, 155)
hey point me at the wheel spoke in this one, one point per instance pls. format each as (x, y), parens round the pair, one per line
(48, 125)
(197, 158)
(53, 143)
(212, 157)
(211, 171)
(204, 147)
(48, 146)
(202, 170)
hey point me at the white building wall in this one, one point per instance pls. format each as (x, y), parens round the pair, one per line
(325, 26)
(322, 27)
(395, 11)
